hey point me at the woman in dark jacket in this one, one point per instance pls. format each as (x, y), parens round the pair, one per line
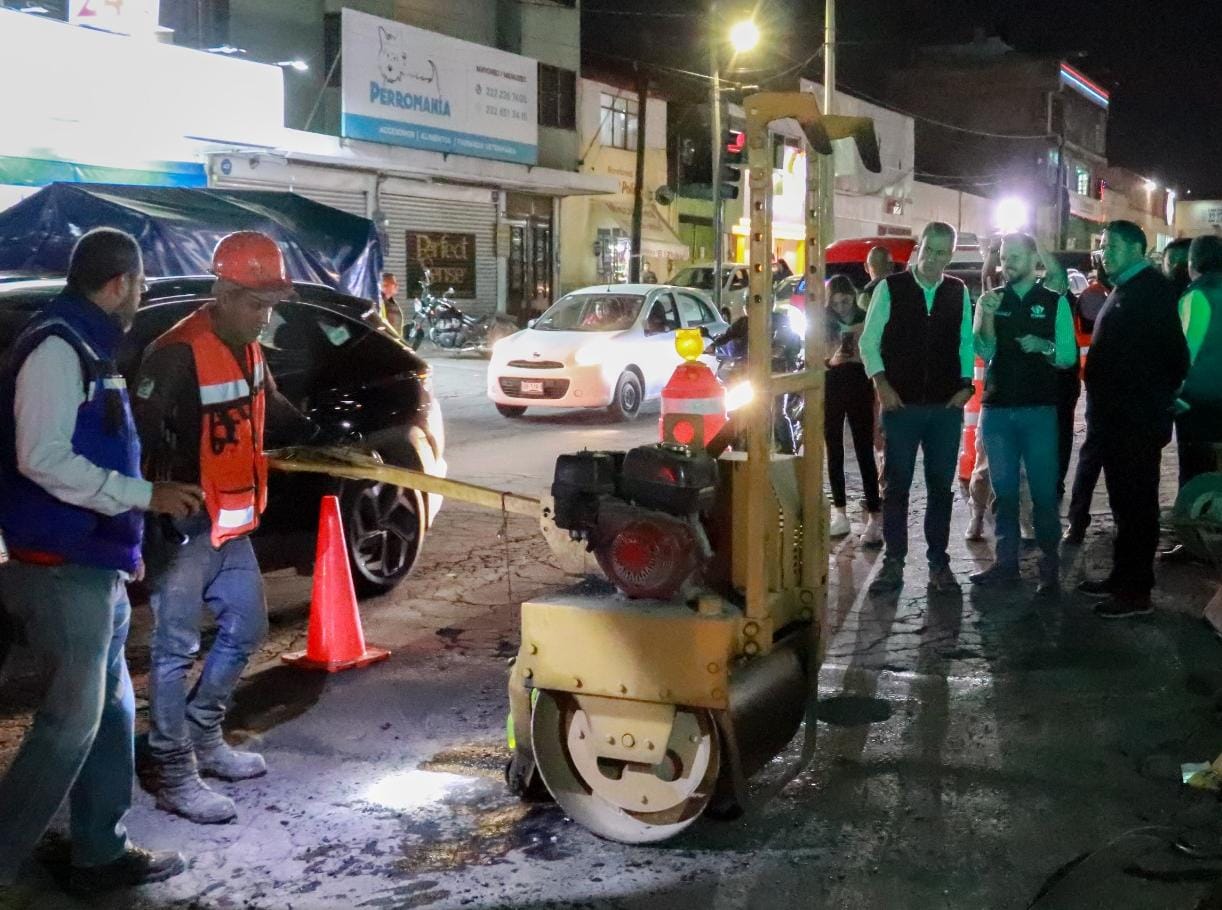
(848, 395)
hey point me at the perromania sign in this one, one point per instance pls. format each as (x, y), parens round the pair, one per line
(407, 86)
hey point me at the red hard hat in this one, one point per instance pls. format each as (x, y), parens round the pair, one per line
(250, 260)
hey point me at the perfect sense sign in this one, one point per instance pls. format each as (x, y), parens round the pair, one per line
(407, 86)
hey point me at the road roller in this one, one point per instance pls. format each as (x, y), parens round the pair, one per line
(645, 699)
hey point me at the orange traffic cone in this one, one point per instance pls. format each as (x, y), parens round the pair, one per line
(335, 641)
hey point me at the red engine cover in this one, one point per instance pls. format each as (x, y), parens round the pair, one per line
(648, 556)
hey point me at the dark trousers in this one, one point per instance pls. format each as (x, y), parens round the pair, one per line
(848, 395)
(934, 430)
(1069, 388)
(1086, 477)
(1131, 462)
(1197, 431)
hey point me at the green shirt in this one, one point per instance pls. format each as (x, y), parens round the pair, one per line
(879, 314)
(1195, 314)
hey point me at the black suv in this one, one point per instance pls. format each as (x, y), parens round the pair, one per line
(339, 363)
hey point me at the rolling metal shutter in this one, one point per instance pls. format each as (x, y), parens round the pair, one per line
(421, 213)
(354, 202)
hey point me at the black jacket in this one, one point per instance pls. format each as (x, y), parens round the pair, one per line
(1138, 358)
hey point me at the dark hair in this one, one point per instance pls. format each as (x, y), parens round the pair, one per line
(942, 229)
(1205, 253)
(1128, 231)
(101, 255)
(1179, 243)
(391, 275)
(840, 284)
(1025, 240)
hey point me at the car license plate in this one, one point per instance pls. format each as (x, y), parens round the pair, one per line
(532, 386)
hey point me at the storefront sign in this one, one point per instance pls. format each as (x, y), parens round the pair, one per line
(407, 86)
(450, 259)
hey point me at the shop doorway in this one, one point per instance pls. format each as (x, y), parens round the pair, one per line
(530, 267)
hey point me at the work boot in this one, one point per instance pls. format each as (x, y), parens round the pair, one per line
(216, 758)
(181, 792)
(1074, 535)
(890, 577)
(1101, 588)
(135, 867)
(840, 525)
(975, 526)
(872, 536)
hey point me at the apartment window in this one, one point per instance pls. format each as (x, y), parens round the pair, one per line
(1081, 180)
(557, 97)
(618, 124)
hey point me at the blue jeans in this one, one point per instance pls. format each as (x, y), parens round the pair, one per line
(183, 578)
(75, 619)
(1016, 438)
(935, 430)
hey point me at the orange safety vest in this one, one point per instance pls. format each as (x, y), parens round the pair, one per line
(232, 466)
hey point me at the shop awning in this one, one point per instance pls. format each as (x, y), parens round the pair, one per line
(657, 237)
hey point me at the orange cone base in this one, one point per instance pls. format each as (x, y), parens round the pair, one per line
(303, 661)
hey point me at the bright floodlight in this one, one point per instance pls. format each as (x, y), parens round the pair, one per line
(1151, 185)
(744, 35)
(1012, 214)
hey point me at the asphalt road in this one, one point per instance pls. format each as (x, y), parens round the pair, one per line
(974, 752)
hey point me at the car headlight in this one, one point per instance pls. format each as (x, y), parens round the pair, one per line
(592, 354)
(797, 321)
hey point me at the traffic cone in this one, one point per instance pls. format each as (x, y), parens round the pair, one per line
(335, 640)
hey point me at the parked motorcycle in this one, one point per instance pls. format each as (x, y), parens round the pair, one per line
(441, 321)
(730, 349)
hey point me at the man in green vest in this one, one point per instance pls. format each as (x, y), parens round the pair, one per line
(1024, 332)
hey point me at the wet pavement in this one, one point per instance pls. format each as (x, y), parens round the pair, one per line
(975, 751)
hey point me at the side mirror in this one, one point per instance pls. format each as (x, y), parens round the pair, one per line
(530, 323)
(704, 331)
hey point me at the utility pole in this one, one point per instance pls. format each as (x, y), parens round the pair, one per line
(638, 194)
(717, 137)
(826, 163)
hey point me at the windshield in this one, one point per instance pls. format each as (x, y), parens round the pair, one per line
(591, 313)
(700, 278)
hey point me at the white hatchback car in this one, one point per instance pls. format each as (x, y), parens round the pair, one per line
(608, 346)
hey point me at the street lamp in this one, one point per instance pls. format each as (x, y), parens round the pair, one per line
(744, 36)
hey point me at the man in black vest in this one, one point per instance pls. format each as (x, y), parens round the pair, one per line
(917, 347)
(1024, 331)
(1138, 358)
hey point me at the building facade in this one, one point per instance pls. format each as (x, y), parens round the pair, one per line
(601, 226)
(451, 123)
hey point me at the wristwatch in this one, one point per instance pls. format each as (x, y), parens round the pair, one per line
(1051, 350)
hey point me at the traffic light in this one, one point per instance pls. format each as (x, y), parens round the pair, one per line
(732, 163)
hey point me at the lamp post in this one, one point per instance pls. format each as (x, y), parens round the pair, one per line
(743, 36)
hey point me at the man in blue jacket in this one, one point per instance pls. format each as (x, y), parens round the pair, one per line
(71, 512)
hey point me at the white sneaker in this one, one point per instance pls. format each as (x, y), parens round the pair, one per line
(840, 525)
(872, 536)
(975, 526)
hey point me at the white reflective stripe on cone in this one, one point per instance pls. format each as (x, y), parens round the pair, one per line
(978, 374)
(970, 419)
(694, 406)
(235, 518)
(258, 374)
(220, 392)
(1082, 352)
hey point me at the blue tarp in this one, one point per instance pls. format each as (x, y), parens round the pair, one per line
(178, 228)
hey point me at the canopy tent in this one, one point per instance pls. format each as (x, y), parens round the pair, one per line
(178, 228)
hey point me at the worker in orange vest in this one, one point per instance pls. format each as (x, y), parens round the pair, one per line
(201, 399)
